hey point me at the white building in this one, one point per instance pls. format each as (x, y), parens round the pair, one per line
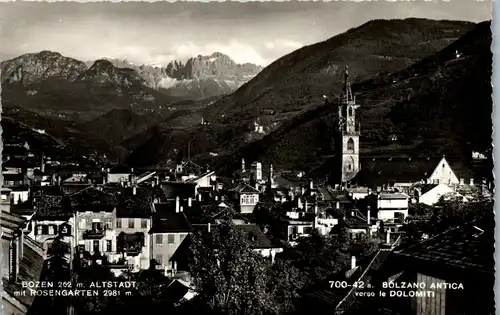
(392, 206)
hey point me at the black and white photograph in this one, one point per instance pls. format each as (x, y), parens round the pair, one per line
(247, 158)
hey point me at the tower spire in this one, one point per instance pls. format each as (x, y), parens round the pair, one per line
(347, 93)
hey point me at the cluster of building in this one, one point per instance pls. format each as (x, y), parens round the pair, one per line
(129, 219)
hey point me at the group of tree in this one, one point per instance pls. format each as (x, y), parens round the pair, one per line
(231, 278)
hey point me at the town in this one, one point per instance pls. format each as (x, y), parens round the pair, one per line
(398, 219)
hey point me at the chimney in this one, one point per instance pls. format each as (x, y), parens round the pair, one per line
(337, 205)
(190, 202)
(311, 184)
(177, 204)
(134, 190)
(462, 181)
(472, 181)
(353, 262)
(368, 214)
(208, 229)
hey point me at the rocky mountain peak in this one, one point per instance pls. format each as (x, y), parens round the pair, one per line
(33, 67)
(104, 72)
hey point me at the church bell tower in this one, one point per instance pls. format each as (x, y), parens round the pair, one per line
(347, 139)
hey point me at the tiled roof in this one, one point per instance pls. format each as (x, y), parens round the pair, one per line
(30, 269)
(464, 247)
(91, 198)
(47, 190)
(166, 220)
(52, 207)
(245, 188)
(135, 206)
(393, 196)
(380, 171)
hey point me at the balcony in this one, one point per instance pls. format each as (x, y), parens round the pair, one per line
(94, 234)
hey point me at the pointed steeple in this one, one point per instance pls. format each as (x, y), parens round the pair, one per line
(347, 93)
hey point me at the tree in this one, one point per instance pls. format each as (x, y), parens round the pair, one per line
(285, 284)
(229, 277)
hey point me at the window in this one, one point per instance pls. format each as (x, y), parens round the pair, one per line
(349, 112)
(39, 229)
(159, 239)
(52, 230)
(83, 224)
(95, 246)
(435, 305)
(109, 246)
(109, 224)
(350, 145)
(159, 258)
(118, 223)
(96, 226)
(171, 239)
(131, 223)
(248, 199)
(144, 223)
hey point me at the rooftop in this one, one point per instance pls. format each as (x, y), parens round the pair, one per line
(167, 220)
(469, 246)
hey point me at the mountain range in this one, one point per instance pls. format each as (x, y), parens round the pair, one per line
(199, 77)
(425, 81)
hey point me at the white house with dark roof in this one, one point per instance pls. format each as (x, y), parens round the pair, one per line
(169, 230)
(247, 197)
(119, 174)
(392, 206)
(53, 216)
(95, 216)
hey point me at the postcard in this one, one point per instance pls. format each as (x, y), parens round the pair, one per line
(247, 158)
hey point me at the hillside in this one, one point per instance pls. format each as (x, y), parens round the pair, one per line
(297, 82)
(117, 125)
(440, 105)
(300, 79)
(59, 137)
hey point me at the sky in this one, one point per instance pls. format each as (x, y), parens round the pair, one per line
(158, 32)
